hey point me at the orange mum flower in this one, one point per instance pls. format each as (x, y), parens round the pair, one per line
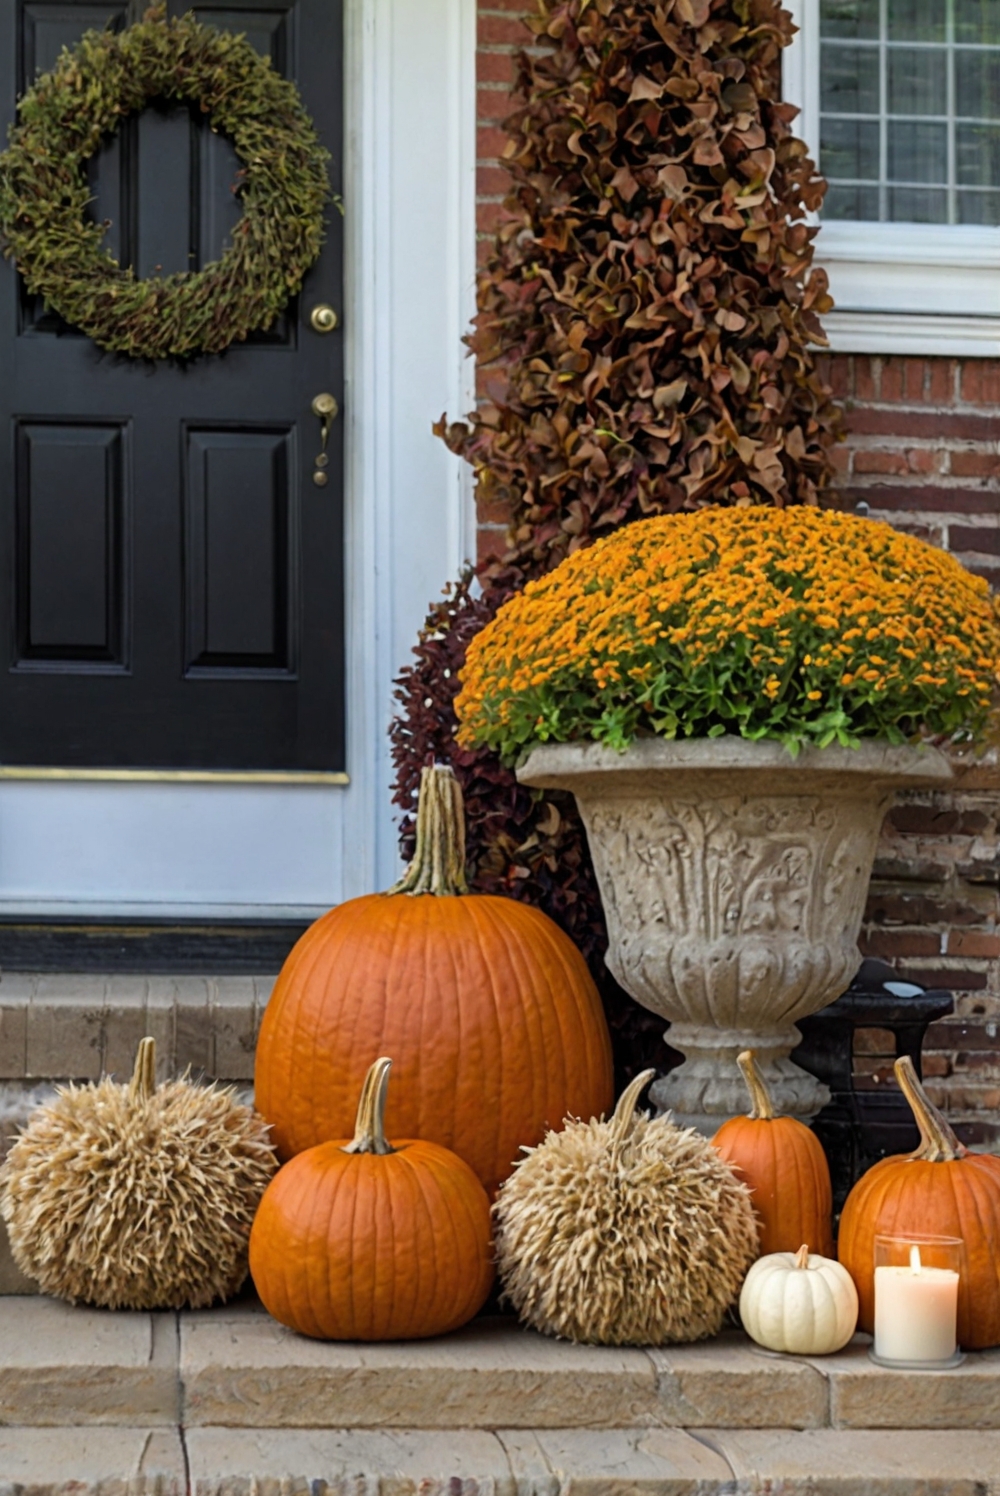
(798, 624)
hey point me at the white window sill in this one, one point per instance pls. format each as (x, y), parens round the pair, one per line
(913, 334)
(912, 288)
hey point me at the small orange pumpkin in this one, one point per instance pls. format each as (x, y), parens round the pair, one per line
(488, 1009)
(939, 1190)
(363, 1240)
(785, 1167)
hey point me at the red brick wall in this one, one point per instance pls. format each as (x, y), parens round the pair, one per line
(923, 449)
(923, 452)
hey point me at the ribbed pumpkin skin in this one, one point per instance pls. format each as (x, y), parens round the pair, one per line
(960, 1197)
(783, 1163)
(492, 1019)
(373, 1247)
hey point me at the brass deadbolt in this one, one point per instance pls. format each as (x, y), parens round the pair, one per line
(323, 318)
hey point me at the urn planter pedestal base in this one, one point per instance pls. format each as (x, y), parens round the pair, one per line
(733, 879)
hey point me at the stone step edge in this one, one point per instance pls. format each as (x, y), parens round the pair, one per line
(138, 1461)
(238, 1368)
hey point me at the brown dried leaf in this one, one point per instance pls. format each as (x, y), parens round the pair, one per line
(647, 328)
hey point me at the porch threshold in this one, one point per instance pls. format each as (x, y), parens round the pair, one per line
(156, 941)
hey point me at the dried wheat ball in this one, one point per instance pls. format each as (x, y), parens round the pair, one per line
(625, 1232)
(137, 1196)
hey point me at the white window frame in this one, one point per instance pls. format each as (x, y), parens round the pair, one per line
(899, 288)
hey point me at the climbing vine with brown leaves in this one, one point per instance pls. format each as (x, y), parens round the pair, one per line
(647, 315)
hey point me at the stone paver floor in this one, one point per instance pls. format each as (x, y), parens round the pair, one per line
(229, 1403)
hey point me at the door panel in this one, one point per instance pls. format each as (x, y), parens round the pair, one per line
(163, 187)
(46, 29)
(175, 577)
(269, 28)
(239, 546)
(70, 507)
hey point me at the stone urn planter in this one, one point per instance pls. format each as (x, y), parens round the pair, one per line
(734, 880)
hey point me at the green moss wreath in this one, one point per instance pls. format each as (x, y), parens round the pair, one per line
(284, 188)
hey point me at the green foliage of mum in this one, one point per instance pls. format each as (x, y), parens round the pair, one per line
(63, 120)
(803, 625)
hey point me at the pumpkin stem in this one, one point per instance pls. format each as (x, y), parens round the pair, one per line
(438, 864)
(143, 1082)
(369, 1129)
(761, 1105)
(802, 1255)
(624, 1112)
(938, 1144)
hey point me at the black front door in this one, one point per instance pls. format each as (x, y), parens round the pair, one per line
(172, 574)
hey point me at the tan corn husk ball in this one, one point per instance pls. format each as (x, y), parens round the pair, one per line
(626, 1232)
(137, 1196)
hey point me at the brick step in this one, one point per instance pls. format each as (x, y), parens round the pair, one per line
(78, 1026)
(235, 1367)
(137, 1461)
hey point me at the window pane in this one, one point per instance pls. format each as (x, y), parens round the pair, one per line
(918, 81)
(918, 205)
(979, 207)
(917, 20)
(849, 80)
(977, 85)
(858, 203)
(910, 109)
(849, 148)
(977, 155)
(857, 18)
(918, 152)
(977, 21)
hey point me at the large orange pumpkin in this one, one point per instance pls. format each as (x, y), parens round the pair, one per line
(363, 1240)
(785, 1167)
(488, 1009)
(940, 1190)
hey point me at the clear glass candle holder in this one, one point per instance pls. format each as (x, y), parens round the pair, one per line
(916, 1301)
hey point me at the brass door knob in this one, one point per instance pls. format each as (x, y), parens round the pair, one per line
(323, 318)
(325, 406)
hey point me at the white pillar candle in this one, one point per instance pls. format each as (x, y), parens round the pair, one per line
(916, 1310)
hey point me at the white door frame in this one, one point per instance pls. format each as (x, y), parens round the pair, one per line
(214, 848)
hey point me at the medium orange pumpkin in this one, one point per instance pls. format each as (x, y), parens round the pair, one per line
(363, 1240)
(488, 1009)
(785, 1167)
(939, 1190)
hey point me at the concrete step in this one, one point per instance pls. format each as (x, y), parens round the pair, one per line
(92, 1462)
(238, 1368)
(131, 1461)
(228, 1403)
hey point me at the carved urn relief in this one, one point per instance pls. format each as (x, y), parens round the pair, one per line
(734, 880)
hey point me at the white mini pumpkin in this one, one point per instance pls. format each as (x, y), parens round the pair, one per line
(806, 1305)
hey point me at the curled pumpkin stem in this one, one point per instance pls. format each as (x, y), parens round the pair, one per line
(761, 1105)
(438, 865)
(802, 1255)
(624, 1114)
(369, 1130)
(938, 1143)
(143, 1082)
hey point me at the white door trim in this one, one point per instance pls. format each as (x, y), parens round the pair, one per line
(175, 848)
(411, 174)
